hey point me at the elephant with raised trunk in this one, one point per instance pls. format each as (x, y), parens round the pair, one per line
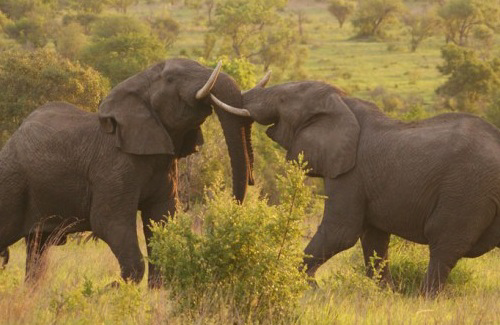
(66, 170)
(434, 182)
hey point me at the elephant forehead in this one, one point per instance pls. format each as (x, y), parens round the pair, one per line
(180, 65)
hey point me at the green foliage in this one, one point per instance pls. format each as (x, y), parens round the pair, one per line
(461, 16)
(88, 6)
(372, 16)
(242, 71)
(29, 30)
(30, 79)
(71, 41)
(471, 80)
(255, 30)
(421, 26)
(122, 47)
(249, 254)
(122, 5)
(16, 9)
(341, 9)
(493, 109)
(113, 25)
(85, 19)
(166, 28)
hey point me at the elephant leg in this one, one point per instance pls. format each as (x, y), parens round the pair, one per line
(37, 243)
(163, 204)
(113, 219)
(375, 244)
(341, 226)
(437, 272)
(4, 254)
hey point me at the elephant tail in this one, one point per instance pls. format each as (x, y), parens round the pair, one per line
(4, 255)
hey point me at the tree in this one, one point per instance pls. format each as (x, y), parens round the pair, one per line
(71, 40)
(341, 9)
(122, 5)
(256, 31)
(461, 16)
(470, 80)
(166, 28)
(422, 26)
(119, 55)
(112, 25)
(32, 31)
(30, 79)
(372, 15)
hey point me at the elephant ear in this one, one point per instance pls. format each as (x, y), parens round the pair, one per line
(136, 129)
(329, 139)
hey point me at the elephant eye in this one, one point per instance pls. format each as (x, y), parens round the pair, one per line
(169, 79)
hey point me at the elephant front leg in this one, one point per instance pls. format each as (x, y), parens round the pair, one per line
(340, 228)
(375, 245)
(163, 204)
(154, 213)
(113, 219)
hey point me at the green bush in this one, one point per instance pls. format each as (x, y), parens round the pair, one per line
(30, 79)
(121, 56)
(245, 256)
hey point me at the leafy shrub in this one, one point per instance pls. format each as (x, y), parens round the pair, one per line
(30, 79)
(121, 56)
(247, 255)
(166, 28)
(470, 79)
(493, 110)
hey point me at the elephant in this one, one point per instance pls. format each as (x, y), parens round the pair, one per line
(66, 170)
(434, 181)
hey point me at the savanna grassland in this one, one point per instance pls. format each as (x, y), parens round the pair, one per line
(74, 288)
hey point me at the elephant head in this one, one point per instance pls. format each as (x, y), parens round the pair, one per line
(308, 117)
(160, 110)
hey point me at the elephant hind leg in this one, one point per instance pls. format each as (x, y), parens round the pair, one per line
(440, 265)
(375, 244)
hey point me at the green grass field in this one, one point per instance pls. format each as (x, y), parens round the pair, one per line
(74, 288)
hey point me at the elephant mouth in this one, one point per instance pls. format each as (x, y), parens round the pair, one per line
(271, 131)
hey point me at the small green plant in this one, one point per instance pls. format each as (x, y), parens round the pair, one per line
(245, 256)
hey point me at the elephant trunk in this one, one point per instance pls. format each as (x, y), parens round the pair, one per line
(237, 131)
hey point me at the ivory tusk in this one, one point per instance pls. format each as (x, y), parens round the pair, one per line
(205, 90)
(229, 108)
(262, 83)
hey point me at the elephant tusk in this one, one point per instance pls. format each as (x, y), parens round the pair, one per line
(205, 90)
(229, 108)
(262, 83)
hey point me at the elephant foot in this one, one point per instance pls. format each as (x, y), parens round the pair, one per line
(312, 283)
(4, 255)
(113, 285)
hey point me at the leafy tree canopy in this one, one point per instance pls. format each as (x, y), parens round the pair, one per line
(257, 31)
(470, 79)
(461, 16)
(372, 16)
(123, 55)
(30, 79)
(341, 9)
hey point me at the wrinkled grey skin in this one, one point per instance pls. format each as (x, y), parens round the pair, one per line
(65, 168)
(434, 182)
